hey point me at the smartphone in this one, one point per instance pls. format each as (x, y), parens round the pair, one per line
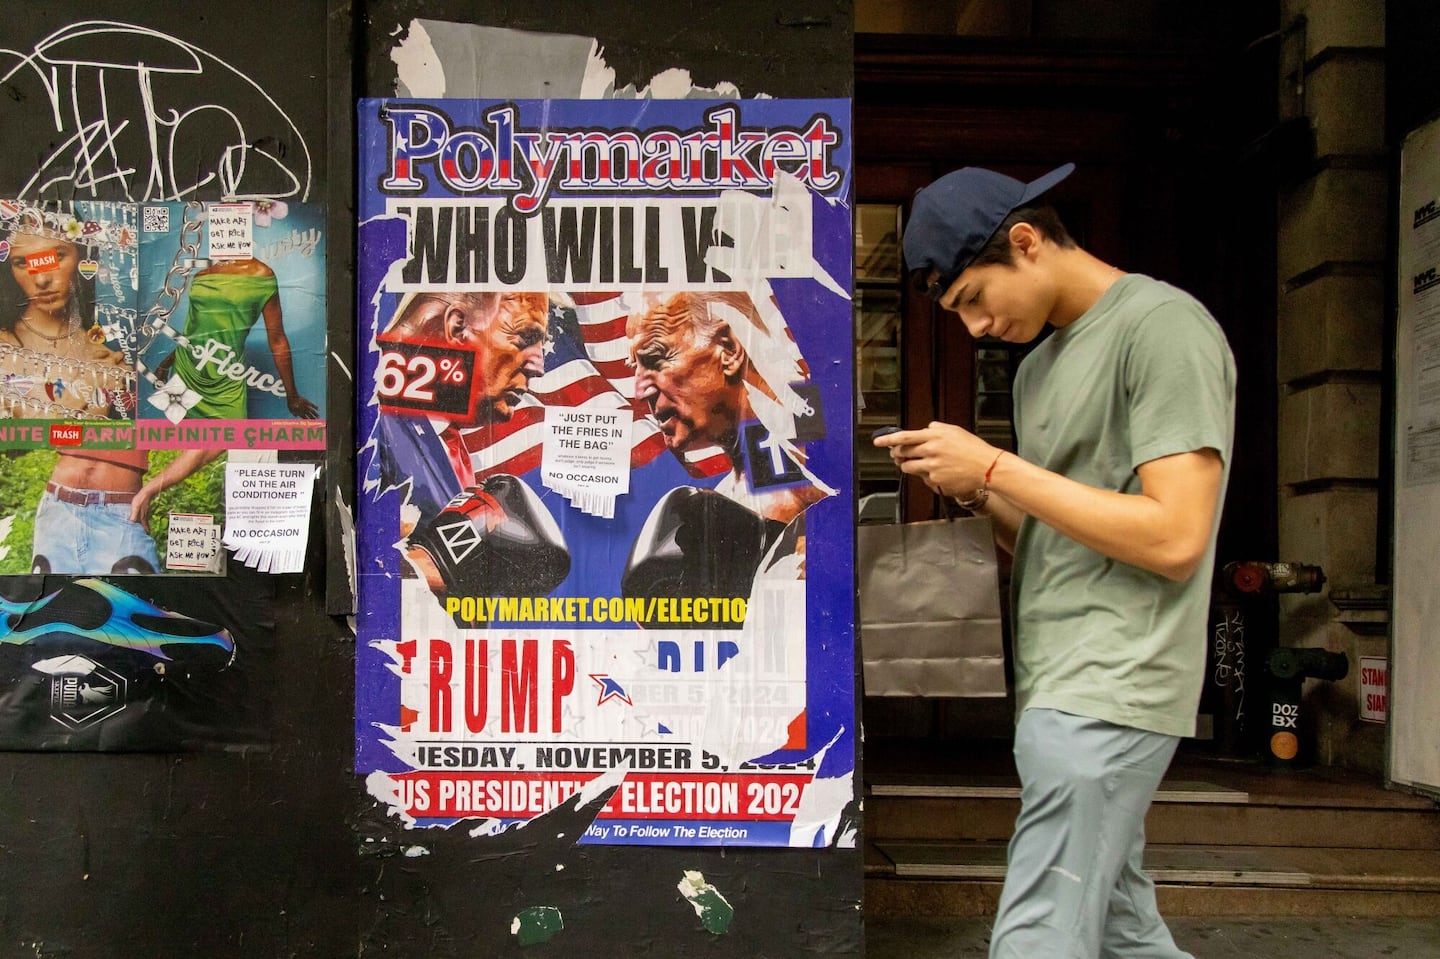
(884, 431)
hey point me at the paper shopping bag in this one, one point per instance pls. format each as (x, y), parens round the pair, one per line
(930, 609)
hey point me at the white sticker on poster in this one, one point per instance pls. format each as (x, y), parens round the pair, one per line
(1374, 689)
(231, 230)
(585, 457)
(193, 543)
(267, 514)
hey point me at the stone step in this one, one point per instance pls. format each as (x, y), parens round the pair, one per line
(1185, 811)
(905, 878)
(1001, 787)
(889, 898)
(1377, 869)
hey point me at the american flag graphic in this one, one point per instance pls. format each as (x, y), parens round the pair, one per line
(586, 367)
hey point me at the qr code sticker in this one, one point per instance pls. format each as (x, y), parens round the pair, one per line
(157, 219)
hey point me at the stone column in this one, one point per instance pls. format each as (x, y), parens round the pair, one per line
(1331, 258)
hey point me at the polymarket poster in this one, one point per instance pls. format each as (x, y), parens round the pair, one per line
(605, 532)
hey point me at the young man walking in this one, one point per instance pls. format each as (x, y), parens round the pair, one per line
(1110, 506)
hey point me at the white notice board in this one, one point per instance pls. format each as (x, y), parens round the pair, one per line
(1415, 631)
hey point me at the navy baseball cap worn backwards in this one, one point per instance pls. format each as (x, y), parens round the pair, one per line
(953, 218)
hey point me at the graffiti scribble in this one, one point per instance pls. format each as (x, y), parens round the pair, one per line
(1229, 658)
(144, 114)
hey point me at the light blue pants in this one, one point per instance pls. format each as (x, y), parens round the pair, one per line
(1074, 888)
(90, 539)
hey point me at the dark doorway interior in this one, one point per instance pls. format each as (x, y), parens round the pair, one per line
(1169, 183)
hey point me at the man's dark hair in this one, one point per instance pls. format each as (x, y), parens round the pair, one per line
(1041, 216)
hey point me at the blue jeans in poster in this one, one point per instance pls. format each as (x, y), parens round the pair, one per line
(92, 539)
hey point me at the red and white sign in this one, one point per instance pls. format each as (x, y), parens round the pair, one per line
(1374, 689)
(42, 262)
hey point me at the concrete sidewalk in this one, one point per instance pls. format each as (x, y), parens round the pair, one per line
(1220, 938)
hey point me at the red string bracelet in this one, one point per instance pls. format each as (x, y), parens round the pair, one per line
(976, 502)
(992, 467)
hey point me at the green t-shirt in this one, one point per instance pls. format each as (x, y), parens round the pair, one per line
(1144, 373)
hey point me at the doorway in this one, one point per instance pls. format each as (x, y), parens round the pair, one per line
(1161, 188)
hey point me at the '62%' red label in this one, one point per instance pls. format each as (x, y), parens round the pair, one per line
(423, 378)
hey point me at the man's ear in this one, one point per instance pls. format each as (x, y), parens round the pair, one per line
(453, 322)
(1025, 240)
(732, 354)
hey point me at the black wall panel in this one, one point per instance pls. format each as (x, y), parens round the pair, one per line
(279, 851)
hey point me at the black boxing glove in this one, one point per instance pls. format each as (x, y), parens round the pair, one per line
(495, 539)
(697, 542)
